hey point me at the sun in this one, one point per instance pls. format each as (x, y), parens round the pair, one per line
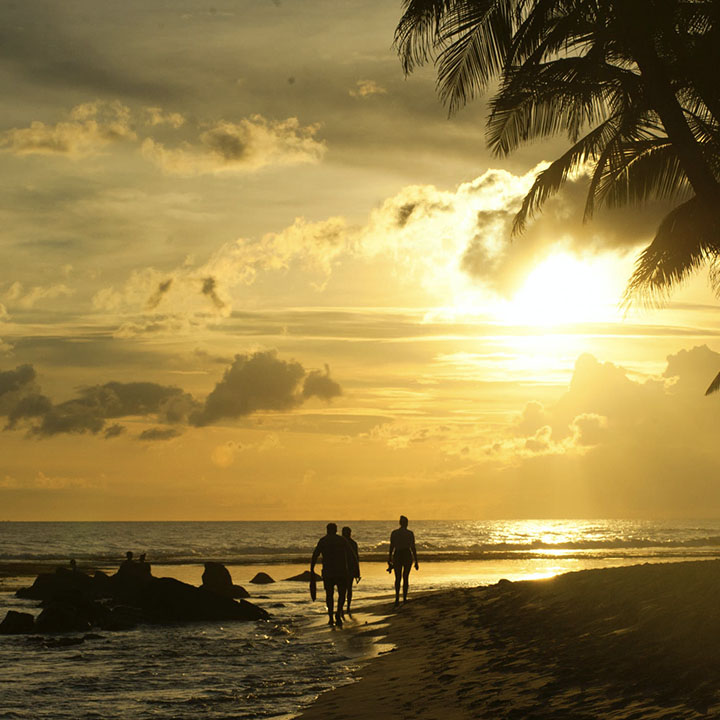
(565, 289)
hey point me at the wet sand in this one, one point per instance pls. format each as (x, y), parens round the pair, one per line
(622, 643)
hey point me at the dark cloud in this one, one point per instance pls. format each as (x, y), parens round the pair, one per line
(262, 381)
(114, 430)
(30, 406)
(157, 296)
(73, 416)
(403, 213)
(209, 289)
(158, 433)
(14, 380)
(93, 405)
(321, 385)
(254, 382)
(15, 385)
(115, 399)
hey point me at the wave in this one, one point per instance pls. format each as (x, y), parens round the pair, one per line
(427, 552)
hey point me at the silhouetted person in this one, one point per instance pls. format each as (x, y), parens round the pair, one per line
(128, 567)
(73, 565)
(401, 557)
(337, 560)
(354, 573)
(144, 570)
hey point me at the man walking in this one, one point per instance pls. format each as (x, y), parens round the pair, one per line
(337, 563)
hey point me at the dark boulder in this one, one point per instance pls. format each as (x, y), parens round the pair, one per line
(216, 579)
(169, 600)
(17, 623)
(62, 617)
(64, 584)
(240, 592)
(304, 577)
(262, 579)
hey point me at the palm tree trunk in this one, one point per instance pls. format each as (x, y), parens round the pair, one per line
(663, 99)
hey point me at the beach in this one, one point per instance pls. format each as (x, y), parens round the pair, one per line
(631, 642)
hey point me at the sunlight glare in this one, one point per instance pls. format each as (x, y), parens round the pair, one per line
(565, 289)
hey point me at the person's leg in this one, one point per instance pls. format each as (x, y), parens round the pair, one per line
(342, 588)
(397, 567)
(406, 580)
(349, 594)
(329, 585)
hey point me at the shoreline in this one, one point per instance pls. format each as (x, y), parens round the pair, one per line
(639, 641)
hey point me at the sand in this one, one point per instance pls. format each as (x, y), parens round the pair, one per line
(622, 643)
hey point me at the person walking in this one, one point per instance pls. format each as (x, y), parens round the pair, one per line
(401, 557)
(337, 560)
(354, 573)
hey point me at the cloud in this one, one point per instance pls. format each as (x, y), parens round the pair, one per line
(155, 116)
(313, 247)
(17, 379)
(252, 383)
(114, 431)
(209, 289)
(17, 296)
(260, 381)
(321, 385)
(157, 296)
(160, 434)
(245, 146)
(15, 386)
(366, 88)
(90, 127)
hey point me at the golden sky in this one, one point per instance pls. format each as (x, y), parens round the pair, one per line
(251, 271)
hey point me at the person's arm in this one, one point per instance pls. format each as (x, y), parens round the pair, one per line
(357, 560)
(315, 556)
(414, 551)
(392, 548)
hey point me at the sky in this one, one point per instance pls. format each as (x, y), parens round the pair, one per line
(252, 271)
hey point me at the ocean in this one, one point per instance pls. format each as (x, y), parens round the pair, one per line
(275, 668)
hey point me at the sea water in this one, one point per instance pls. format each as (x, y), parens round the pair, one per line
(272, 668)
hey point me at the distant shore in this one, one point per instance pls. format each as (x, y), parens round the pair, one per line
(631, 642)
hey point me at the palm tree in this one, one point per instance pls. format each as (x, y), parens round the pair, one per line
(630, 84)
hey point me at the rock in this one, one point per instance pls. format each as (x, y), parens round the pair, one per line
(504, 584)
(17, 623)
(66, 584)
(216, 578)
(304, 577)
(121, 617)
(240, 592)
(169, 600)
(60, 617)
(262, 579)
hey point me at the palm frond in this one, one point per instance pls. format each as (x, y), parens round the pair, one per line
(714, 385)
(561, 96)
(687, 238)
(416, 35)
(549, 181)
(475, 38)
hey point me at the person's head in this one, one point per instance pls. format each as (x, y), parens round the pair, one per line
(331, 529)
(129, 555)
(346, 531)
(142, 558)
(403, 521)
